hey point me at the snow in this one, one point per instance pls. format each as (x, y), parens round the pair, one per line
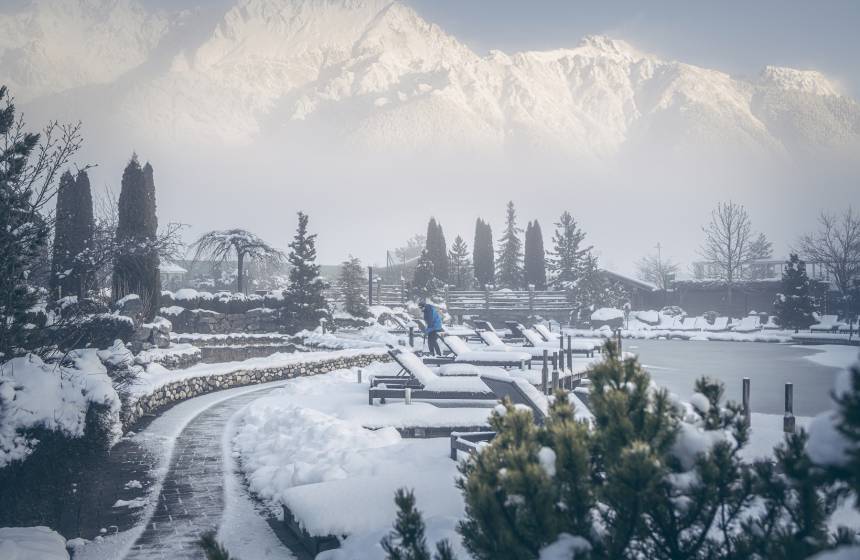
(827, 445)
(566, 547)
(34, 394)
(700, 402)
(433, 382)
(606, 314)
(158, 355)
(130, 297)
(546, 458)
(32, 543)
(832, 355)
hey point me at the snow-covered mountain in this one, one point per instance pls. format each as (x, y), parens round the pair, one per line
(374, 74)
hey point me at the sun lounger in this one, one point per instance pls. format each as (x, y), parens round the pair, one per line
(545, 333)
(518, 392)
(721, 324)
(424, 383)
(515, 328)
(481, 325)
(828, 323)
(462, 354)
(691, 324)
(750, 323)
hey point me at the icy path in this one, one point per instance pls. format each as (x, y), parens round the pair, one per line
(199, 487)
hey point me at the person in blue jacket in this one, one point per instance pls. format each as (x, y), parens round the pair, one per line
(433, 320)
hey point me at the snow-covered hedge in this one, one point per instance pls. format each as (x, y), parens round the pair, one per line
(222, 302)
(35, 395)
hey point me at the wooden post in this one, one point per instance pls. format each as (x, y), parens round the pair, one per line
(358, 375)
(407, 395)
(486, 297)
(569, 354)
(544, 372)
(746, 399)
(618, 339)
(561, 355)
(454, 436)
(370, 285)
(411, 338)
(531, 299)
(554, 380)
(788, 421)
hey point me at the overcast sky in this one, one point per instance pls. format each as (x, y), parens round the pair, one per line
(739, 37)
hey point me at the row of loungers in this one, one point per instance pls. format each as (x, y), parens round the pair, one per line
(455, 381)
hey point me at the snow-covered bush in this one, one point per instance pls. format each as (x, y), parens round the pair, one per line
(647, 477)
(51, 416)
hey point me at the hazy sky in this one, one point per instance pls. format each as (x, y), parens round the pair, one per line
(739, 37)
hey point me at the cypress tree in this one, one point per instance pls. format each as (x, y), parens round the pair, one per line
(794, 305)
(23, 235)
(483, 258)
(459, 258)
(136, 263)
(353, 284)
(510, 264)
(535, 257)
(71, 266)
(424, 283)
(437, 249)
(306, 304)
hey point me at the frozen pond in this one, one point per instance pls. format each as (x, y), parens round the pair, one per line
(676, 364)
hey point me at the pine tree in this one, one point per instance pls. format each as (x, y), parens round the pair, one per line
(459, 259)
(407, 541)
(437, 249)
(306, 303)
(569, 256)
(509, 272)
(136, 263)
(535, 257)
(71, 266)
(23, 234)
(483, 257)
(352, 283)
(424, 283)
(794, 305)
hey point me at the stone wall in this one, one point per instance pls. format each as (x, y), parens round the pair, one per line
(182, 389)
(230, 353)
(233, 339)
(260, 320)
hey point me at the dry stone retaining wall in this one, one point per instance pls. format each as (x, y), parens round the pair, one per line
(183, 389)
(229, 353)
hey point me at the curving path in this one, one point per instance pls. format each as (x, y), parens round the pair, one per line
(192, 497)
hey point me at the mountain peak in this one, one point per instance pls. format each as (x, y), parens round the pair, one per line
(608, 45)
(804, 81)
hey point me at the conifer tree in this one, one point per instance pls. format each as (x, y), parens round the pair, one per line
(437, 249)
(306, 304)
(568, 258)
(483, 257)
(136, 263)
(510, 264)
(424, 283)
(71, 266)
(407, 540)
(459, 259)
(23, 233)
(535, 257)
(352, 284)
(794, 305)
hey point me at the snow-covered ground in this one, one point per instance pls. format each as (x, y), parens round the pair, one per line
(307, 446)
(32, 543)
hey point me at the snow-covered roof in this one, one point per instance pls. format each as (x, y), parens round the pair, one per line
(628, 279)
(171, 268)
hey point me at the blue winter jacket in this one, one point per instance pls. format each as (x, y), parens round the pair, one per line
(432, 318)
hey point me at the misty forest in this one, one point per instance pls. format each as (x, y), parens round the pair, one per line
(429, 280)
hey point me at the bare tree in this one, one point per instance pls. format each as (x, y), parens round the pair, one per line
(729, 243)
(836, 246)
(221, 245)
(657, 270)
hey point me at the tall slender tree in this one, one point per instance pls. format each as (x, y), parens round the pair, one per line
(509, 268)
(794, 304)
(136, 263)
(72, 262)
(483, 257)
(353, 285)
(535, 257)
(569, 255)
(459, 259)
(437, 249)
(306, 304)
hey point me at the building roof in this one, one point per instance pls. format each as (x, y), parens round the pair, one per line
(171, 268)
